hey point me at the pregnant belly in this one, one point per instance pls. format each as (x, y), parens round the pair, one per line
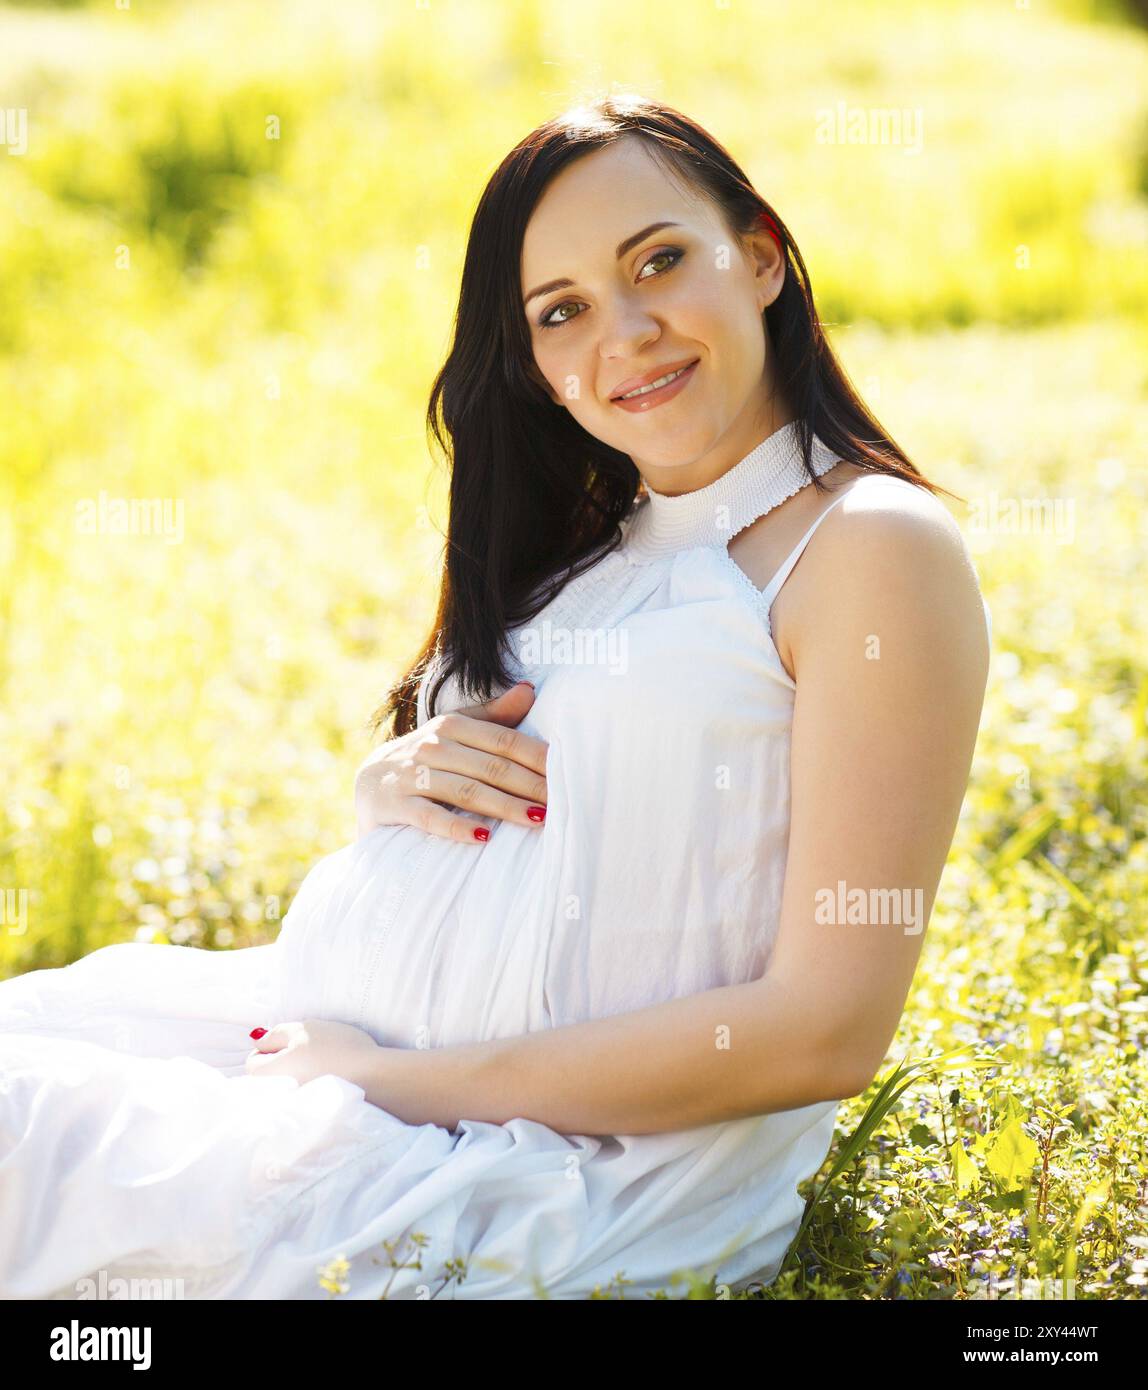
(420, 940)
(345, 912)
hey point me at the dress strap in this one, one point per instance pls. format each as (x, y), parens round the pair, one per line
(773, 588)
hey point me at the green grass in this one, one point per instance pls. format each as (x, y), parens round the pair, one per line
(249, 328)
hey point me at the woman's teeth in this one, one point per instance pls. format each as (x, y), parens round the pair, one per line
(655, 385)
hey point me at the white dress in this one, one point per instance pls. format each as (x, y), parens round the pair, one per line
(133, 1142)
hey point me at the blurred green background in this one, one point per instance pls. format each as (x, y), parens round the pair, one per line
(230, 250)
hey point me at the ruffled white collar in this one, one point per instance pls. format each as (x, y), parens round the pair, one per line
(712, 515)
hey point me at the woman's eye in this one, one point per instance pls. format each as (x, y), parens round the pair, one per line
(674, 255)
(546, 322)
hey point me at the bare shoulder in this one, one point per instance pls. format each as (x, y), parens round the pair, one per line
(894, 528)
(890, 556)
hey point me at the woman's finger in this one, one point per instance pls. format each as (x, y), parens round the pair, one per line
(478, 798)
(487, 737)
(438, 820)
(509, 708)
(480, 766)
(270, 1039)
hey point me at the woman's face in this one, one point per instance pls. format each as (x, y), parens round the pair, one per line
(642, 306)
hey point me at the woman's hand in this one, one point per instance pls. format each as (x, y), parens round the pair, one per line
(315, 1047)
(473, 758)
(393, 1078)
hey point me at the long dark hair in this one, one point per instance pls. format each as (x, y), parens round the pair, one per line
(534, 498)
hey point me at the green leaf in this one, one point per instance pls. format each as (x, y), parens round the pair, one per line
(1094, 1199)
(1013, 1111)
(964, 1169)
(1012, 1155)
(1005, 1201)
(1032, 828)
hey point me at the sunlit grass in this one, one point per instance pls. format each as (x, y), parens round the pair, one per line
(181, 721)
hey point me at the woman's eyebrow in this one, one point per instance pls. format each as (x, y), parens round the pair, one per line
(622, 248)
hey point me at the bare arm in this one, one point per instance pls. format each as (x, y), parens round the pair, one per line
(882, 742)
(725, 1053)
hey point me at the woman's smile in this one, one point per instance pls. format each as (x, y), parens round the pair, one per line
(646, 397)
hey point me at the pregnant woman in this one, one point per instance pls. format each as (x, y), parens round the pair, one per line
(642, 874)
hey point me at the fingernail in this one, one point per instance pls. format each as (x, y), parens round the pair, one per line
(257, 1032)
(481, 833)
(536, 813)
(529, 683)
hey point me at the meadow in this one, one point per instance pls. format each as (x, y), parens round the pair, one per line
(229, 254)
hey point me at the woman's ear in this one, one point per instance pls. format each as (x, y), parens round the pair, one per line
(768, 266)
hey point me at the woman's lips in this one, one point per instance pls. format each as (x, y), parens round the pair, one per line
(649, 399)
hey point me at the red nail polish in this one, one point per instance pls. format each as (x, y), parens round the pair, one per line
(536, 813)
(481, 833)
(257, 1032)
